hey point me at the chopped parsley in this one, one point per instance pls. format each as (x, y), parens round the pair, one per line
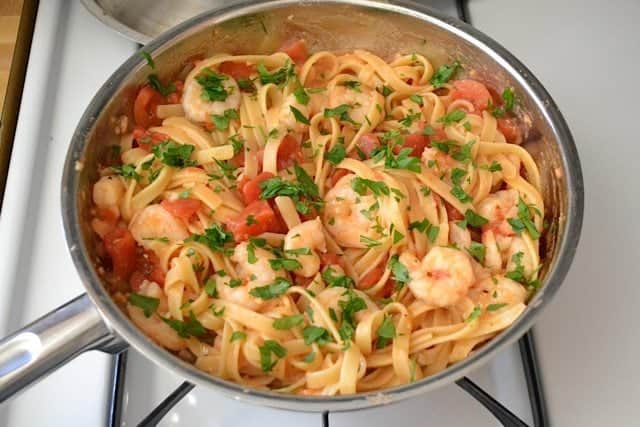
(299, 251)
(427, 130)
(477, 250)
(350, 306)
(301, 95)
(211, 287)
(214, 237)
(495, 307)
(222, 121)
(148, 304)
(127, 171)
(369, 242)
(417, 99)
(360, 185)
(305, 188)
(234, 283)
(333, 280)
(457, 174)
(524, 221)
(473, 219)
(402, 161)
(397, 236)
(266, 350)
(386, 332)
(475, 313)
(493, 167)
(351, 84)
(409, 119)
(300, 118)
(238, 335)
(385, 90)
(212, 87)
(154, 82)
(147, 57)
(427, 228)
(460, 194)
(274, 290)
(444, 74)
(188, 328)
(341, 112)
(315, 334)
(452, 117)
(399, 270)
(277, 77)
(250, 220)
(336, 154)
(288, 322)
(173, 154)
(309, 357)
(509, 100)
(285, 264)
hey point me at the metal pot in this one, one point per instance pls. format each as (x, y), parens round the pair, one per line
(93, 321)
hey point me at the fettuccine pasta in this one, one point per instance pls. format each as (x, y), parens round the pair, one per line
(324, 224)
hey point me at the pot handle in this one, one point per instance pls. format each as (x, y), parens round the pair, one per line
(38, 349)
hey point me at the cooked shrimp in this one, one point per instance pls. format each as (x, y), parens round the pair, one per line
(107, 196)
(108, 192)
(461, 237)
(360, 101)
(308, 235)
(492, 256)
(155, 222)
(349, 216)
(498, 208)
(442, 277)
(258, 273)
(200, 110)
(437, 161)
(497, 290)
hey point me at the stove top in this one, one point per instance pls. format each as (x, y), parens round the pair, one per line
(68, 43)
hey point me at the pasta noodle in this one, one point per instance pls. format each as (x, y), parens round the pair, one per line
(341, 224)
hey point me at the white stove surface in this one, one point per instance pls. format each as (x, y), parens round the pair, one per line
(586, 353)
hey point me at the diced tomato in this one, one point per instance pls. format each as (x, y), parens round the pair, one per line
(296, 49)
(144, 107)
(173, 98)
(121, 247)
(367, 143)
(452, 213)
(109, 215)
(371, 278)
(329, 258)
(337, 175)
(289, 152)
(182, 208)
(255, 219)
(510, 129)
(251, 189)
(237, 70)
(473, 91)
(147, 268)
(416, 142)
(146, 139)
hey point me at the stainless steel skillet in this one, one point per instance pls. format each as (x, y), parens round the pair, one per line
(93, 321)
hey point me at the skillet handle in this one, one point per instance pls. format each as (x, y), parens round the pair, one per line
(38, 349)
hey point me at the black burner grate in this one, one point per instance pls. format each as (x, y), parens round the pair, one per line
(507, 418)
